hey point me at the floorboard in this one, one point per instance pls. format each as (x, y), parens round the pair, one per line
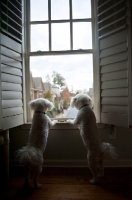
(69, 184)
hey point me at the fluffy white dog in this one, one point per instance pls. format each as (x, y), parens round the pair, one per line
(96, 151)
(32, 154)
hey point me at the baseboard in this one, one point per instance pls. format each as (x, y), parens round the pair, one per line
(83, 163)
(80, 163)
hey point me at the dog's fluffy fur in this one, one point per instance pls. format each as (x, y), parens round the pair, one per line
(31, 156)
(96, 151)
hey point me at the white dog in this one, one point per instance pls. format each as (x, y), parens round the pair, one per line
(32, 154)
(89, 132)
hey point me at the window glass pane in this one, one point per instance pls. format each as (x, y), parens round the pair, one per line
(61, 36)
(39, 37)
(39, 10)
(59, 9)
(82, 35)
(62, 77)
(81, 9)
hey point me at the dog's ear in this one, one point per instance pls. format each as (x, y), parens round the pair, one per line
(32, 104)
(73, 102)
(90, 102)
(50, 106)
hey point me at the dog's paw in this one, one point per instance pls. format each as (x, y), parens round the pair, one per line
(69, 121)
(54, 122)
(37, 186)
(93, 181)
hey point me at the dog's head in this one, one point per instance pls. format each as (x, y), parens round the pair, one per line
(81, 99)
(41, 104)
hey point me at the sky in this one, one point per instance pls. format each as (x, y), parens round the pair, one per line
(76, 69)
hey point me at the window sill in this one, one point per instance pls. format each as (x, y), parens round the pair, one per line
(61, 125)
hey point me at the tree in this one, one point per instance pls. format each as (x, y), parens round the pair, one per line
(58, 79)
(48, 95)
(48, 78)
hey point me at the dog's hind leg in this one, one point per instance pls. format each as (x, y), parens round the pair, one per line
(93, 163)
(101, 167)
(27, 176)
(36, 173)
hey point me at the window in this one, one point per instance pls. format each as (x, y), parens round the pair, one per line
(60, 53)
(102, 34)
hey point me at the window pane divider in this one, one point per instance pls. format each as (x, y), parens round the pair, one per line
(61, 21)
(46, 53)
(49, 23)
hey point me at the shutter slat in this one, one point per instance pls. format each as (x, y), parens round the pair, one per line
(115, 119)
(114, 58)
(114, 109)
(12, 54)
(119, 92)
(11, 62)
(12, 121)
(113, 50)
(11, 86)
(8, 95)
(114, 101)
(114, 84)
(12, 111)
(114, 67)
(10, 78)
(12, 103)
(113, 40)
(11, 44)
(11, 70)
(123, 74)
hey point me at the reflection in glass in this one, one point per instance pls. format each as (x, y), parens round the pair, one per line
(61, 36)
(59, 9)
(39, 10)
(39, 37)
(82, 35)
(81, 9)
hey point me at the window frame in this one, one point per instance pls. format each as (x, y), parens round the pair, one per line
(93, 51)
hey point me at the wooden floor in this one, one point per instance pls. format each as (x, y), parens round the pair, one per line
(69, 184)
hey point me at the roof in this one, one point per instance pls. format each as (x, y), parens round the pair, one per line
(47, 86)
(37, 82)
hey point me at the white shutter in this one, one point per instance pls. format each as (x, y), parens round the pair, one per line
(11, 82)
(114, 63)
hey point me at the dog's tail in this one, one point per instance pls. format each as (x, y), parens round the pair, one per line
(108, 150)
(29, 154)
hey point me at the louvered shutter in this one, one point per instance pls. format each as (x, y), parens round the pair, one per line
(114, 62)
(11, 64)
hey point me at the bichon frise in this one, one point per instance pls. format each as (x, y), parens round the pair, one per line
(31, 156)
(96, 150)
